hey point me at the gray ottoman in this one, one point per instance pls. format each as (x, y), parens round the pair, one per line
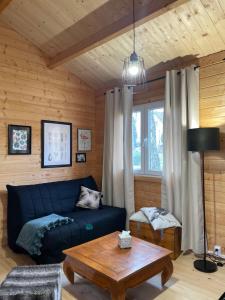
(42, 282)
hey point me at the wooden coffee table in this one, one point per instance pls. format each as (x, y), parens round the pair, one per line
(102, 262)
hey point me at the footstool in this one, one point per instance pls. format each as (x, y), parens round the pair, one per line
(42, 282)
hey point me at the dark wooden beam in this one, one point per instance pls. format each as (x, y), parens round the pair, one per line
(143, 13)
(4, 4)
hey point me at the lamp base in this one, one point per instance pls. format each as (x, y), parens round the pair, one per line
(205, 266)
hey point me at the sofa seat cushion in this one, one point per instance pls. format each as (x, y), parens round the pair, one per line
(87, 225)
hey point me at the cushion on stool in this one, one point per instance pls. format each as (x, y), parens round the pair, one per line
(139, 217)
(32, 282)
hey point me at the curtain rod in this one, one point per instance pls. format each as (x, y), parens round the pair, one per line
(156, 79)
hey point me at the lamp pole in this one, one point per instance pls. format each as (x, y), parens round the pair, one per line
(201, 140)
(203, 201)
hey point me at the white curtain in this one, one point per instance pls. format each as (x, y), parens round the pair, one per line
(181, 182)
(118, 180)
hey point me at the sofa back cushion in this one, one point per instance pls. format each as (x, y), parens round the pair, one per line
(28, 202)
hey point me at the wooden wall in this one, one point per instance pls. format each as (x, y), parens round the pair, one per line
(212, 114)
(30, 92)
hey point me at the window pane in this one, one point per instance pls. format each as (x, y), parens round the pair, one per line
(136, 140)
(155, 139)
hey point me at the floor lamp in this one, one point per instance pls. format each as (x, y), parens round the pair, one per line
(202, 140)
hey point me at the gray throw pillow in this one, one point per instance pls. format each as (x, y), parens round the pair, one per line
(89, 198)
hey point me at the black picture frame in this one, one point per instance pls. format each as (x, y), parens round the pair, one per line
(13, 146)
(44, 152)
(81, 157)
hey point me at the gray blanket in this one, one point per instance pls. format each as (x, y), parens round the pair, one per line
(30, 237)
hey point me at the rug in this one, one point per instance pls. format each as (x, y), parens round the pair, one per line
(83, 289)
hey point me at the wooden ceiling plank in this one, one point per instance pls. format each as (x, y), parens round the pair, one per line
(207, 27)
(216, 12)
(4, 4)
(150, 11)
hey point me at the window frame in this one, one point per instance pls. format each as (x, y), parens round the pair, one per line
(144, 108)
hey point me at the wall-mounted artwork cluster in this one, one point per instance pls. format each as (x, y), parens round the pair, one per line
(83, 144)
(56, 143)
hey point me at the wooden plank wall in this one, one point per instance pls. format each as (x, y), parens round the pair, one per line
(212, 114)
(29, 92)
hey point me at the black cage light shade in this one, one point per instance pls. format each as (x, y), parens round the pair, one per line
(203, 139)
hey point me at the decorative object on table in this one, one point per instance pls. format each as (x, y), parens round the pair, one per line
(41, 282)
(56, 144)
(201, 140)
(125, 239)
(133, 66)
(81, 157)
(19, 139)
(89, 198)
(160, 218)
(83, 139)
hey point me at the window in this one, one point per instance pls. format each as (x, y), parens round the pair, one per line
(147, 138)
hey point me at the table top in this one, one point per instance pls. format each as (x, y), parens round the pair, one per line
(105, 256)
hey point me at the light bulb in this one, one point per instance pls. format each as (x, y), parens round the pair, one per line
(133, 70)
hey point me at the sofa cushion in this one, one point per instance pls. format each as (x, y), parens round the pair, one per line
(28, 202)
(87, 225)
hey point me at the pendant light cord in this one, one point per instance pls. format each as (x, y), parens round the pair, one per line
(134, 37)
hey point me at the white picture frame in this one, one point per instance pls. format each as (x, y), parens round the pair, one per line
(84, 139)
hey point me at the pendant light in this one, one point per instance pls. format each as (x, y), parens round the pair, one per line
(133, 66)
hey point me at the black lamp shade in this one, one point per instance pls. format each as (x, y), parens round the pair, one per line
(203, 139)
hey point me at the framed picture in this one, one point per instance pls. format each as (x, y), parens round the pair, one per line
(83, 139)
(19, 140)
(56, 144)
(80, 157)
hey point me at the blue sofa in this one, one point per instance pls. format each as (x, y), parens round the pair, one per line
(29, 202)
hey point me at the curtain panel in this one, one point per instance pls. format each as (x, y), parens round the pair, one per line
(118, 179)
(181, 181)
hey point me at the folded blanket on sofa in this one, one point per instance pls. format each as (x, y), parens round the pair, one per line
(30, 237)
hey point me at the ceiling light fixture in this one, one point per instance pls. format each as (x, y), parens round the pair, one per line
(133, 66)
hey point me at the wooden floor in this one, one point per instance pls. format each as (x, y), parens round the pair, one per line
(185, 284)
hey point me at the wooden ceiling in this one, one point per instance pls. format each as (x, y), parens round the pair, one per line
(191, 27)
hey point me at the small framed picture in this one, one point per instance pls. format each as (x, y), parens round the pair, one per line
(19, 140)
(56, 144)
(80, 157)
(83, 139)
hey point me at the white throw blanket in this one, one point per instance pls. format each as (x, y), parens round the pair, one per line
(160, 218)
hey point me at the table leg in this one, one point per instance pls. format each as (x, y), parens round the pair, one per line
(167, 271)
(68, 271)
(118, 294)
